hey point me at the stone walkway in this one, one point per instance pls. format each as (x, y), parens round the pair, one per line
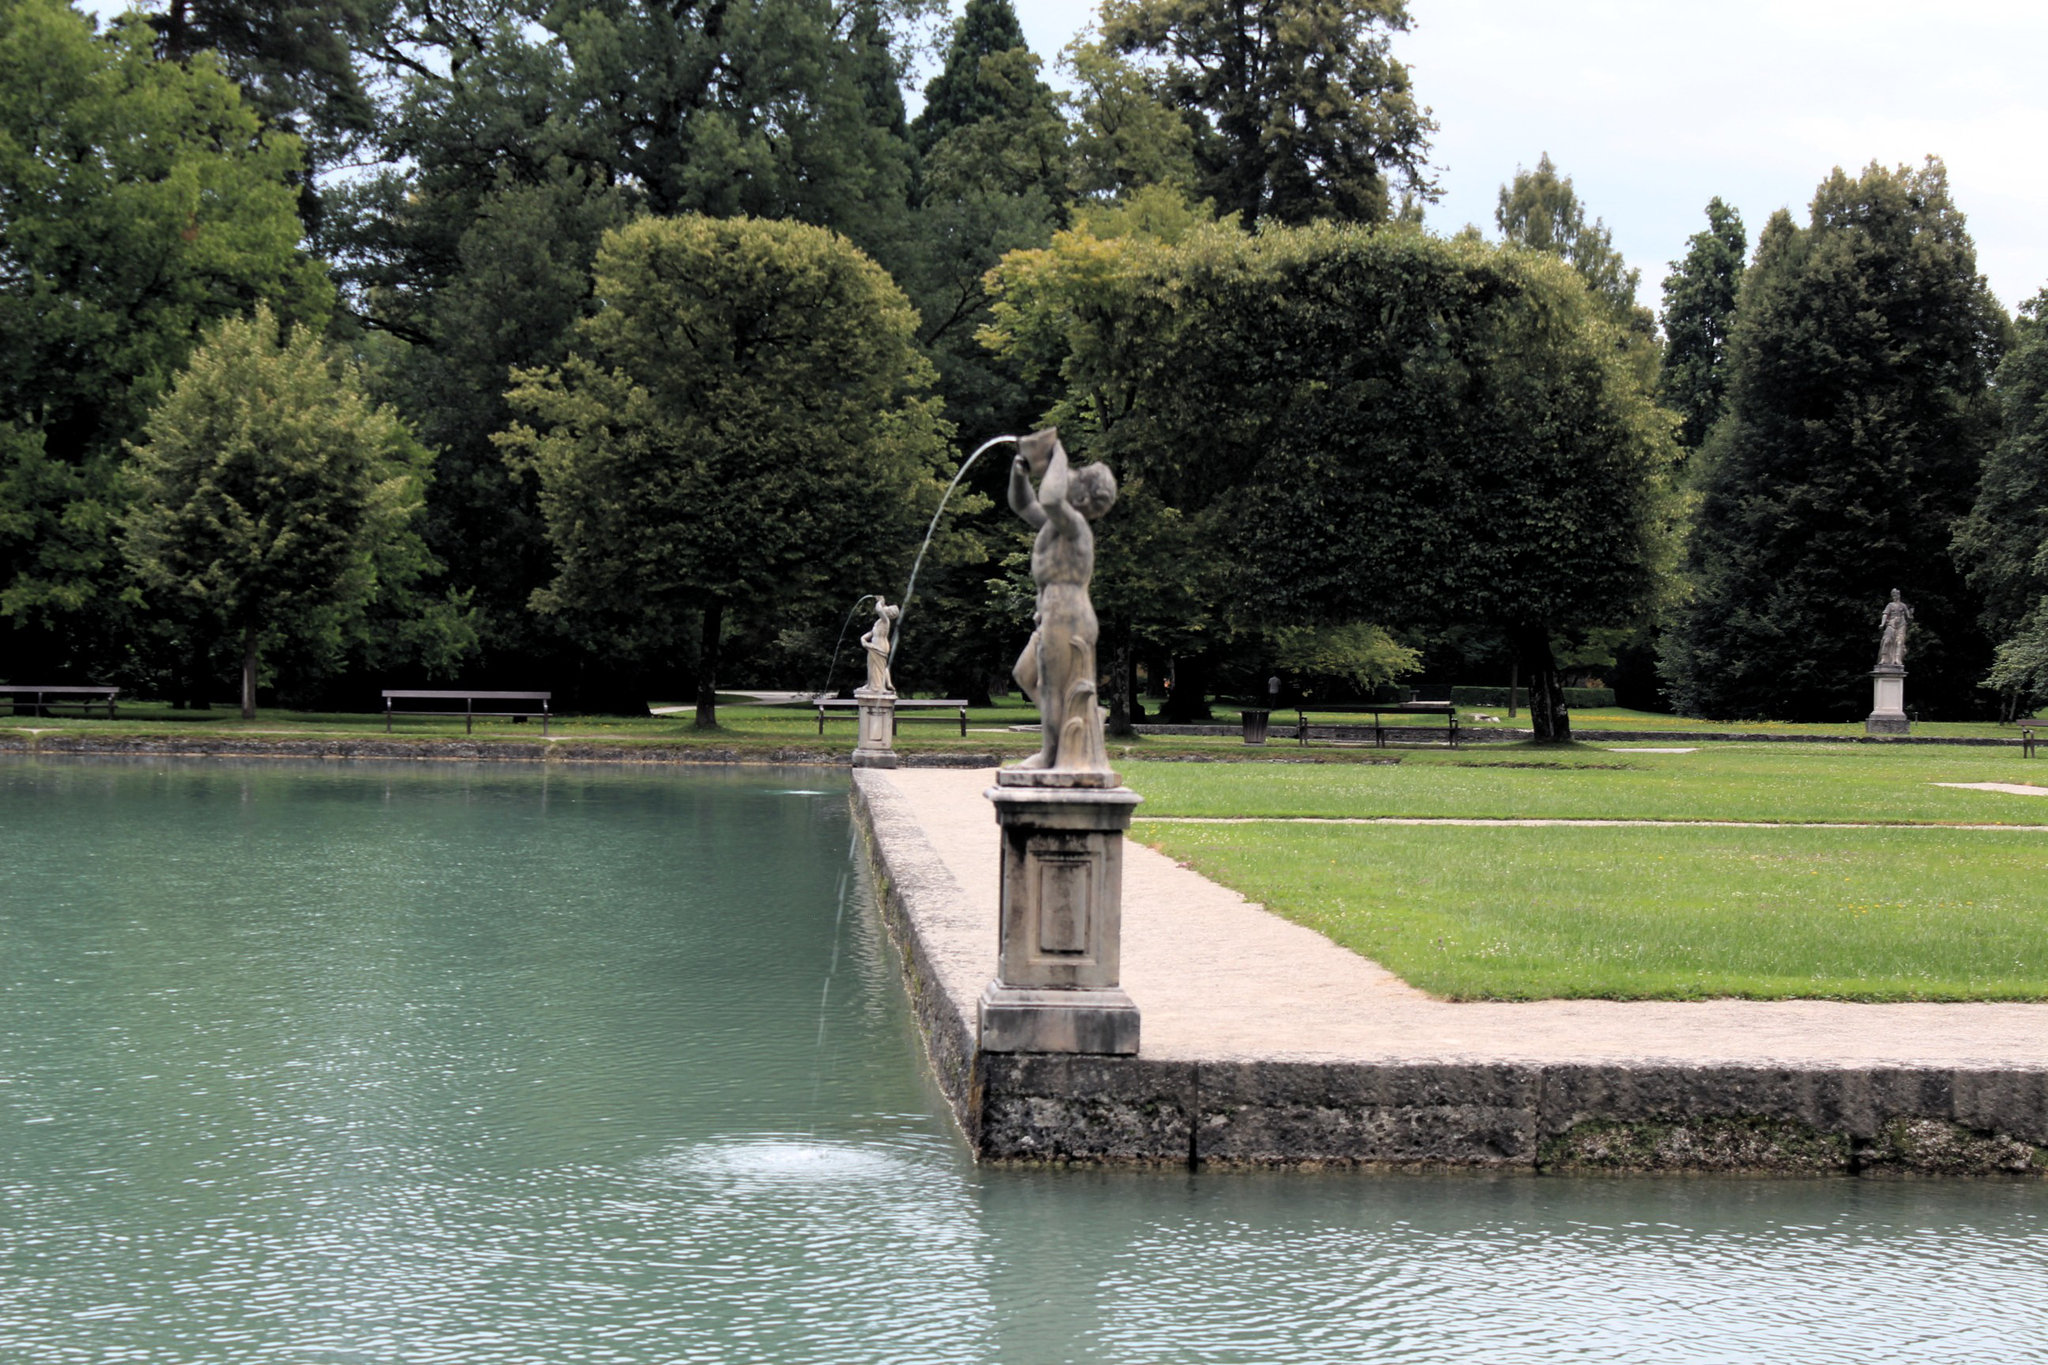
(1219, 979)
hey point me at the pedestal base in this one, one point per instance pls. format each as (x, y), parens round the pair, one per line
(876, 747)
(1061, 920)
(1101, 1021)
(1888, 703)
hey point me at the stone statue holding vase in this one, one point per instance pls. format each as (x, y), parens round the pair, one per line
(876, 747)
(1888, 680)
(1062, 811)
(877, 643)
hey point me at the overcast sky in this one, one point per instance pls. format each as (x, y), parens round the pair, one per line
(1655, 106)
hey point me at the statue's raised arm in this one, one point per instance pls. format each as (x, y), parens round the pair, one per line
(1057, 668)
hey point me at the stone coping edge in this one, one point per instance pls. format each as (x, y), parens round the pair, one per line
(459, 750)
(1457, 1112)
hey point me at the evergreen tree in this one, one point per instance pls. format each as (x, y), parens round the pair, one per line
(1699, 304)
(1298, 108)
(1858, 418)
(1541, 211)
(275, 504)
(958, 96)
(2004, 540)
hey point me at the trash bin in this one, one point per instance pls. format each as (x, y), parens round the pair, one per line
(1255, 725)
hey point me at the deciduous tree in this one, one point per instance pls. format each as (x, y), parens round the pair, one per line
(140, 200)
(1365, 423)
(275, 504)
(740, 430)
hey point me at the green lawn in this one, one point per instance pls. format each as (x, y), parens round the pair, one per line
(1656, 912)
(1909, 910)
(1777, 782)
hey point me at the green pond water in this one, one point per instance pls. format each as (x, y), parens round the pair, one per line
(421, 1063)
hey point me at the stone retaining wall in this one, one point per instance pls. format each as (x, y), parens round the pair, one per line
(1469, 1112)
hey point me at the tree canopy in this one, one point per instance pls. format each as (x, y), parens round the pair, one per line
(1368, 424)
(740, 428)
(1298, 108)
(275, 503)
(1699, 305)
(1858, 417)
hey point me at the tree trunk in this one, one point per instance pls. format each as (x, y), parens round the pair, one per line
(707, 664)
(249, 673)
(1120, 669)
(1189, 701)
(1514, 682)
(1548, 717)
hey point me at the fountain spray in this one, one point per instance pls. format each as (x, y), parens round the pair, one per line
(904, 606)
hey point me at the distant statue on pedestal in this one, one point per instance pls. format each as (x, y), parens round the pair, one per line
(876, 643)
(1057, 667)
(1891, 650)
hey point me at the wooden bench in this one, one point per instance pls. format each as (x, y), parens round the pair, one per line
(39, 700)
(827, 705)
(2027, 728)
(1446, 713)
(469, 713)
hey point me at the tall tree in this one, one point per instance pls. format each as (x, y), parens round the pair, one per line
(1298, 108)
(2003, 542)
(1541, 210)
(738, 434)
(1699, 305)
(519, 140)
(1859, 415)
(1365, 424)
(275, 503)
(140, 199)
(297, 63)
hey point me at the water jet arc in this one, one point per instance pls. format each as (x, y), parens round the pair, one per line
(903, 611)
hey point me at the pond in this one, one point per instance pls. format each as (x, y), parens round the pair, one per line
(494, 1063)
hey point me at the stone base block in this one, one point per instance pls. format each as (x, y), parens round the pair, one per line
(1877, 724)
(1102, 1021)
(874, 758)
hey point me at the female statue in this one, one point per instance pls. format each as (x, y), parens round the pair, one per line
(1891, 650)
(876, 643)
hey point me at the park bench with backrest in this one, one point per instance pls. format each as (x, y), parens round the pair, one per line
(38, 700)
(2027, 729)
(831, 705)
(1445, 718)
(469, 711)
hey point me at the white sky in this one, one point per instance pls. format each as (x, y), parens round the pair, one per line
(1655, 106)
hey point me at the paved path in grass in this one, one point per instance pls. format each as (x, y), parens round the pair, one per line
(1218, 978)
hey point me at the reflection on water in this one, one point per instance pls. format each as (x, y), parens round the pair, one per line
(413, 1063)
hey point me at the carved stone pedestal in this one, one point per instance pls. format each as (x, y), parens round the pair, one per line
(876, 747)
(1888, 703)
(1062, 916)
